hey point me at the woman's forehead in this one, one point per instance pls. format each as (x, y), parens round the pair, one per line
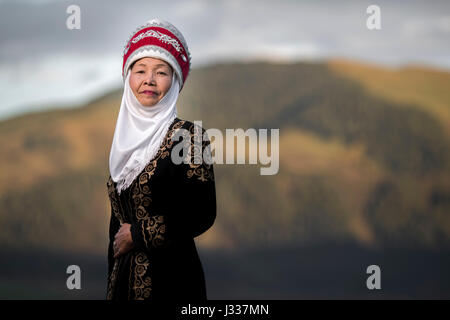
(153, 62)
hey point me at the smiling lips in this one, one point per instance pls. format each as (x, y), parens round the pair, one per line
(149, 93)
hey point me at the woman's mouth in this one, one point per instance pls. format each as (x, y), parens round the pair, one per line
(149, 93)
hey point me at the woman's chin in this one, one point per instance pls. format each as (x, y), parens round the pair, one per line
(148, 103)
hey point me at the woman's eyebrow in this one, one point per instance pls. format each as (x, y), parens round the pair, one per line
(161, 65)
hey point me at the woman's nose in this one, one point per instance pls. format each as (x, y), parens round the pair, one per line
(150, 79)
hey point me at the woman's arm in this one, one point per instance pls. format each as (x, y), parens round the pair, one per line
(196, 210)
(193, 210)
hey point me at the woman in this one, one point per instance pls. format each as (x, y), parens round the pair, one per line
(157, 206)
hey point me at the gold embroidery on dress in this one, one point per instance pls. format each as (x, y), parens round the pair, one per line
(142, 285)
(113, 199)
(198, 168)
(155, 230)
(112, 281)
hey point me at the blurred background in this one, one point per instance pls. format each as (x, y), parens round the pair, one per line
(364, 119)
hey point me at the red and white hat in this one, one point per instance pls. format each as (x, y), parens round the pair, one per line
(158, 39)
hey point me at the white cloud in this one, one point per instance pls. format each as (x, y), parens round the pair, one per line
(67, 80)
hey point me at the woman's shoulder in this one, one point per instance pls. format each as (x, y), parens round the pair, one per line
(192, 127)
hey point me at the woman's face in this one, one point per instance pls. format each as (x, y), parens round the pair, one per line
(150, 79)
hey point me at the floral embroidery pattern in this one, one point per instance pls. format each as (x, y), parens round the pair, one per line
(198, 149)
(160, 36)
(142, 285)
(112, 193)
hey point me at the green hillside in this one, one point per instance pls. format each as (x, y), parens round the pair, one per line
(358, 162)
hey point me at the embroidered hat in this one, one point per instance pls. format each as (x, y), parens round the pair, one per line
(158, 39)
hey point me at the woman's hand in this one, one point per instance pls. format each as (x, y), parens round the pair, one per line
(123, 242)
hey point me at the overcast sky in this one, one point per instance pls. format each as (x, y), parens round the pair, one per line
(44, 64)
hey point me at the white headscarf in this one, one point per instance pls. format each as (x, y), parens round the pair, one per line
(139, 133)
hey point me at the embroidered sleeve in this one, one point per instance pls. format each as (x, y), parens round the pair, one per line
(197, 191)
(150, 232)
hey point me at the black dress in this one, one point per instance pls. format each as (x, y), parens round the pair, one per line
(167, 206)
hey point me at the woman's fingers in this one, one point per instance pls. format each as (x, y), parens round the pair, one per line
(122, 240)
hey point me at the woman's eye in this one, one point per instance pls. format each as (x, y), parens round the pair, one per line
(141, 71)
(163, 73)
